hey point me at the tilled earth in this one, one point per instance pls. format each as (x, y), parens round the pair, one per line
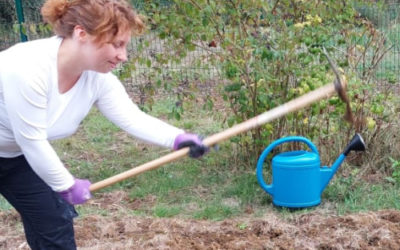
(119, 229)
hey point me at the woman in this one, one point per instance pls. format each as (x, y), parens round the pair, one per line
(47, 92)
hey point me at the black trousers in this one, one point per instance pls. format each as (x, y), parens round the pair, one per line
(47, 218)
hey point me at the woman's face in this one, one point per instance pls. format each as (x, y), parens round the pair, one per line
(107, 56)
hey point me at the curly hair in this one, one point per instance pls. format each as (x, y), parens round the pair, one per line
(104, 19)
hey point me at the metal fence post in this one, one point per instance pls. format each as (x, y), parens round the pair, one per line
(21, 20)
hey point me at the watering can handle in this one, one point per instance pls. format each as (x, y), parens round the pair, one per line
(260, 162)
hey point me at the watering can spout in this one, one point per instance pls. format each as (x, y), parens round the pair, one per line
(356, 144)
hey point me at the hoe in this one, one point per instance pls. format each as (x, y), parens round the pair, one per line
(326, 91)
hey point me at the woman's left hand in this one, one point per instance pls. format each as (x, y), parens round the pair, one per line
(79, 193)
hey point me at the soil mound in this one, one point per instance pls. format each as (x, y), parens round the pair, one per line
(119, 229)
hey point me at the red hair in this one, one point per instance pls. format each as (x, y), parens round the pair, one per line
(104, 19)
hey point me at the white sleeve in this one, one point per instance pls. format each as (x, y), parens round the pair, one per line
(26, 104)
(115, 104)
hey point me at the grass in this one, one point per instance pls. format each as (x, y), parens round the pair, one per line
(166, 211)
(215, 187)
(4, 205)
(209, 188)
(363, 196)
(215, 211)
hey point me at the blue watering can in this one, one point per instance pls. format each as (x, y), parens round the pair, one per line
(298, 179)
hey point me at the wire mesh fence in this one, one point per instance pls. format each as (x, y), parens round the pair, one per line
(387, 21)
(20, 21)
(195, 66)
(7, 22)
(187, 69)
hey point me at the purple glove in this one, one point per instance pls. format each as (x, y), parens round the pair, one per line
(193, 141)
(77, 194)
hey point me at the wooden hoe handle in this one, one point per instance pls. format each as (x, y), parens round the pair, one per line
(321, 93)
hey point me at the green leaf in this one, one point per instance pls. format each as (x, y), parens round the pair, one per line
(231, 70)
(233, 87)
(267, 54)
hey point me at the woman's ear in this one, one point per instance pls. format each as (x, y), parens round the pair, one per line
(80, 34)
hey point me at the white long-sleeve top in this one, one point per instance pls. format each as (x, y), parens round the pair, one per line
(33, 112)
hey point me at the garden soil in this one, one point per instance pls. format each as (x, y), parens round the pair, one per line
(116, 227)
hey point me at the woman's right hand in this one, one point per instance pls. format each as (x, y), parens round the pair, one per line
(193, 141)
(79, 193)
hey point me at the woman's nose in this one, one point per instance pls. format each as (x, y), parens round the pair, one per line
(122, 55)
